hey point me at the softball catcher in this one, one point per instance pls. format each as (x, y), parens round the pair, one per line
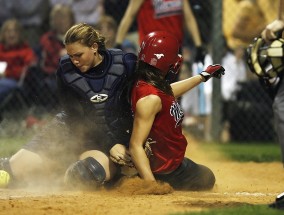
(266, 60)
(94, 122)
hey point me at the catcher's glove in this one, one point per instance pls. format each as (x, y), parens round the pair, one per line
(200, 54)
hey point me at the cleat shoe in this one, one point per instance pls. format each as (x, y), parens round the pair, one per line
(4, 164)
(279, 202)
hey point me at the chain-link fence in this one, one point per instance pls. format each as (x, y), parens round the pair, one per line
(246, 115)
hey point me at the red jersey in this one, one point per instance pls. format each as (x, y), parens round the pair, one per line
(170, 144)
(50, 48)
(162, 15)
(17, 58)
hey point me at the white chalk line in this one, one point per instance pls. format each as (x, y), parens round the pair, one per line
(256, 194)
(253, 194)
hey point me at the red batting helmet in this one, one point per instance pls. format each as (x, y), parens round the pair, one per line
(161, 50)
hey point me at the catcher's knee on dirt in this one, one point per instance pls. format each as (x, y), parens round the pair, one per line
(85, 173)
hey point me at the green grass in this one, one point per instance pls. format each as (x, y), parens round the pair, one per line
(242, 210)
(9, 145)
(242, 152)
(257, 152)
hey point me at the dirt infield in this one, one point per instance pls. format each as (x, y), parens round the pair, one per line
(236, 184)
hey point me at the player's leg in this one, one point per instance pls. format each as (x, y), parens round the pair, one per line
(92, 170)
(189, 176)
(22, 166)
(278, 110)
(25, 163)
(44, 157)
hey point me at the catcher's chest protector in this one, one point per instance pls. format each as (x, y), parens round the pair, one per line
(101, 94)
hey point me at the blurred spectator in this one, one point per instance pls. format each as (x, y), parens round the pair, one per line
(33, 15)
(16, 53)
(197, 104)
(236, 67)
(117, 9)
(85, 11)
(108, 27)
(51, 42)
(161, 15)
(129, 46)
(51, 48)
(243, 20)
(5, 11)
(234, 63)
(203, 11)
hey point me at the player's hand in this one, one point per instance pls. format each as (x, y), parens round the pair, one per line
(120, 154)
(273, 82)
(118, 46)
(200, 54)
(215, 71)
(270, 32)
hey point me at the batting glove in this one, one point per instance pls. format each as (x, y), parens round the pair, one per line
(215, 71)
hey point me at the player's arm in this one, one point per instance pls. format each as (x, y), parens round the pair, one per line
(241, 27)
(270, 31)
(146, 110)
(127, 20)
(181, 87)
(120, 152)
(191, 24)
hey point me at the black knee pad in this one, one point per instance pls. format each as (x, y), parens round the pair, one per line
(88, 172)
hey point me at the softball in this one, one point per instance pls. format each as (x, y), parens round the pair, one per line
(4, 179)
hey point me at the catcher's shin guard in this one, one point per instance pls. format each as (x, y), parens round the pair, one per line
(87, 173)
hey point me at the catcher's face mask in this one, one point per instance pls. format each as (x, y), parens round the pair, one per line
(266, 60)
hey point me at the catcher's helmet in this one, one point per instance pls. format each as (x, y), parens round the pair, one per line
(266, 60)
(160, 49)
